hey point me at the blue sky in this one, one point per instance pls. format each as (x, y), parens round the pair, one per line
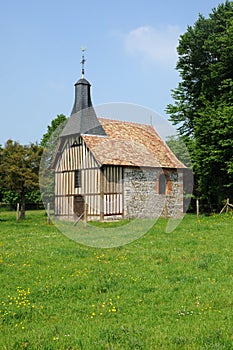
(130, 56)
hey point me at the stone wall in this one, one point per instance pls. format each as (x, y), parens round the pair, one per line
(141, 195)
(174, 199)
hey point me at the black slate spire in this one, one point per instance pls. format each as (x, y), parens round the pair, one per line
(83, 119)
(82, 91)
(82, 95)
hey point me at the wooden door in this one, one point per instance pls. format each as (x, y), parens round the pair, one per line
(79, 205)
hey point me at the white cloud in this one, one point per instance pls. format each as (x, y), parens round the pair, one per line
(154, 45)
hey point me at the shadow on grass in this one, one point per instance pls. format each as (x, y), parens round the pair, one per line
(106, 234)
(109, 224)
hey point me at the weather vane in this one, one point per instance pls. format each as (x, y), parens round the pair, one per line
(83, 60)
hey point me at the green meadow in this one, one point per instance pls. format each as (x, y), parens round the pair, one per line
(163, 291)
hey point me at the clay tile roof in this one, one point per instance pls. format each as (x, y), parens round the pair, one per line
(131, 144)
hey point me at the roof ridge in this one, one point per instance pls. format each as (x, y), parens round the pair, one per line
(124, 121)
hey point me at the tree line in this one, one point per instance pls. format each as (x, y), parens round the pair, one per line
(203, 102)
(19, 170)
(202, 113)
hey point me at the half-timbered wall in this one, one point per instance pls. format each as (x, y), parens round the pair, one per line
(113, 191)
(76, 156)
(101, 189)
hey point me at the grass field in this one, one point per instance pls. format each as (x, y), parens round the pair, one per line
(163, 291)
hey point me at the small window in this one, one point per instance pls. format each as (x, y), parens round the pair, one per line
(76, 143)
(162, 184)
(77, 178)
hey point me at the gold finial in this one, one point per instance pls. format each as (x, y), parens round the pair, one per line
(83, 60)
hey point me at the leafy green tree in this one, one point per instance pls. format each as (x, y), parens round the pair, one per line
(19, 168)
(10, 198)
(49, 143)
(1, 188)
(203, 107)
(178, 147)
(55, 124)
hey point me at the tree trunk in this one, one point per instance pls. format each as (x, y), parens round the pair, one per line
(23, 200)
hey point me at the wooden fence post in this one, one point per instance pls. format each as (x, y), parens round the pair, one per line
(17, 212)
(197, 207)
(85, 213)
(48, 213)
(227, 206)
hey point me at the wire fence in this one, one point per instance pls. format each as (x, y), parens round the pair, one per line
(189, 207)
(13, 206)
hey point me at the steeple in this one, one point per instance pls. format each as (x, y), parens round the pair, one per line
(82, 91)
(83, 119)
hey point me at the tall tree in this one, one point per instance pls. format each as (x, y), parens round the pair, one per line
(19, 168)
(203, 108)
(49, 143)
(1, 188)
(178, 147)
(56, 124)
